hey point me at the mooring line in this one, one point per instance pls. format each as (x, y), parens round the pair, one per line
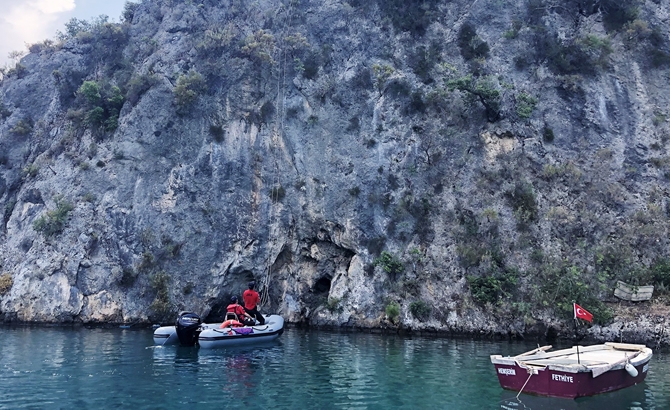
(524, 385)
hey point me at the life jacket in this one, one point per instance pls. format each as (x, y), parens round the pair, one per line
(237, 309)
(231, 323)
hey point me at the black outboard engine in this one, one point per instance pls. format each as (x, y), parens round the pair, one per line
(188, 328)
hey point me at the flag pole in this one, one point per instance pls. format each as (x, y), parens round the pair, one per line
(574, 310)
(576, 342)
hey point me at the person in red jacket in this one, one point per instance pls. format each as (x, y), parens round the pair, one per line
(251, 301)
(242, 315)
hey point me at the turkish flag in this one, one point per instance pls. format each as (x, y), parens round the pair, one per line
(582, 313)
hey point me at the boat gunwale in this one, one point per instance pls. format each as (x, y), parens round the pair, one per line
(534, 361)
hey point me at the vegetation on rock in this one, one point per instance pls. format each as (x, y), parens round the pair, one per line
(53, 222)
(189, 87)
(6, 283)
(390, 264)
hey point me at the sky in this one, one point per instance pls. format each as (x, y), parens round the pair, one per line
(30, 21)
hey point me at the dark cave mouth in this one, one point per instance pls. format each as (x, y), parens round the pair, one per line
(322, 285)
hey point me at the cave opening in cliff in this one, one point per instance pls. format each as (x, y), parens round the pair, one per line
(217, 313)
(238, 283)
(322, 285)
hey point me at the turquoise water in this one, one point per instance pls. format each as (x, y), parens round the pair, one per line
(54, 368)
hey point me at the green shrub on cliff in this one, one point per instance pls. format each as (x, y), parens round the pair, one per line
(489, 289)
(6, 283)
(215, 40)
(392, 311)
(161, 304)
(617, 13)
(389, 263)
(419, 309)
(147, 262)
(548, 134)
(22, 127)
(486, 90)
(101, 103)
(260, 47)
(660, 272)
(30, 171)
(562, 284)
(586, 55)
(90, 92)
(382, 72)
(525, 105)
(188, 89)
(53, 222)
(333, 305)
(523, 201)
(129, 10)
(413, 17)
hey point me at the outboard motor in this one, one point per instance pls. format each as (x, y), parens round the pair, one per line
(188, 328)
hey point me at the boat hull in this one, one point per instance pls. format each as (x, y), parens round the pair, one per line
(568, 385)
(212, 336)
(216, 338)
(165, 336)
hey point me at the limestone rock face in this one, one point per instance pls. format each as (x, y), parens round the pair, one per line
(479, 165)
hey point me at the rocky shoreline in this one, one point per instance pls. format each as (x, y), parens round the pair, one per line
(647, 324)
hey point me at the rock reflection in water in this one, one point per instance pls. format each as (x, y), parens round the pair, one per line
(121, 368)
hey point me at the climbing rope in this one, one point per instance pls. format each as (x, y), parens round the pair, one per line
(277, 133)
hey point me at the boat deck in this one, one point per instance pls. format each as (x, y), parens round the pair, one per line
(587, 358)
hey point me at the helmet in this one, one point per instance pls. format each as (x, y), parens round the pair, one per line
(233, 299)
(252, 284)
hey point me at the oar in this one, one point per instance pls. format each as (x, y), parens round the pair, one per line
(597, 371)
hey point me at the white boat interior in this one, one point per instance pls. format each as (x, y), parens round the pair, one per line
(596, 358)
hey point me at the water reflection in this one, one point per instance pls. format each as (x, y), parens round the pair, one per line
(239, 380)
(634, 397)
(108, 368)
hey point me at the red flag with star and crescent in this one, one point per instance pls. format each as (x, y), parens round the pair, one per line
(582, 313)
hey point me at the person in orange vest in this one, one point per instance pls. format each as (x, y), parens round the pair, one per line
(242, 315)
(251, 301)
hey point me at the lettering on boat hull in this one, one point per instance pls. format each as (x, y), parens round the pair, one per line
(507, 372)
(562, 378)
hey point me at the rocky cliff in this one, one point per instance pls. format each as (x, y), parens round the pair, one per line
(461, 166)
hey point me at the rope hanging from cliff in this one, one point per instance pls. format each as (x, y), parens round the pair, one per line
(277, 133)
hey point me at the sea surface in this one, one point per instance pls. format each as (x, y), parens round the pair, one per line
(82, 368)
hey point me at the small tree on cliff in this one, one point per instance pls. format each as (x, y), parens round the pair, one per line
(484, 89)
(390, 264)
(189, 87)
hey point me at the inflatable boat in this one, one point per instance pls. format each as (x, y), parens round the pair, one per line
(190, 331)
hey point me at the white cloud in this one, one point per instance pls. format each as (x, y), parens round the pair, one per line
(53, 6)
(29, 21)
